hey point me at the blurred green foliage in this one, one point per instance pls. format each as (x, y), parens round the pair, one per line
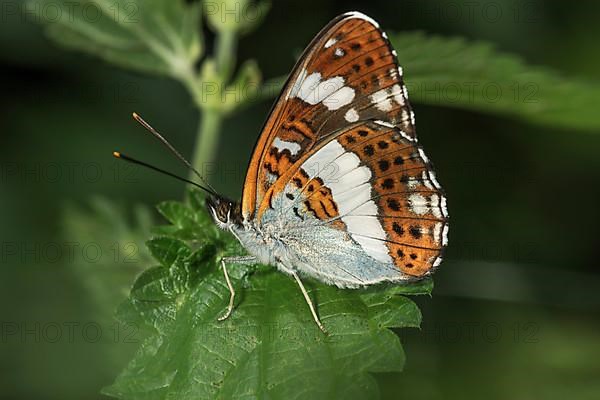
(454, 72)
(165, 38)
(153, 36)
(110, 227)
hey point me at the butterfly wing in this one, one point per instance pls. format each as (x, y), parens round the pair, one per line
(348, 73)
(339, 151)
(377, 186)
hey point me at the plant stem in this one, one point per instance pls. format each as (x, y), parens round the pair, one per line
(225, 53)
(207, 140)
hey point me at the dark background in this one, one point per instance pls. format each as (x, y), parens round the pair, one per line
(515, 309)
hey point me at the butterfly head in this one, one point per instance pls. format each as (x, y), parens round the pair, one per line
(224, 212)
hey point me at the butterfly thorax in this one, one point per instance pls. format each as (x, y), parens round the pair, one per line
(260, 242)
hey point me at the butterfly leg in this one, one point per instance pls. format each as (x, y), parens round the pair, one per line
(243, 260)
(309, 302)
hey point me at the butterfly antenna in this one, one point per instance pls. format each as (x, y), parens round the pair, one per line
(172, 149)
(132, 160)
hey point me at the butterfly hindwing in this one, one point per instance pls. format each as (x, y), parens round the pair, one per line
(349, 73)
(378, 186)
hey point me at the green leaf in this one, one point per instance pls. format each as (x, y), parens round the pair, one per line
(270, 347)
(168, 251)
(155, 36)
(176, 213)
(108, 256)
(110, 250)
(245, 87)
(473, 75)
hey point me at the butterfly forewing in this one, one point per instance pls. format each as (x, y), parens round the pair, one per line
(348, 73)
(340, 149)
